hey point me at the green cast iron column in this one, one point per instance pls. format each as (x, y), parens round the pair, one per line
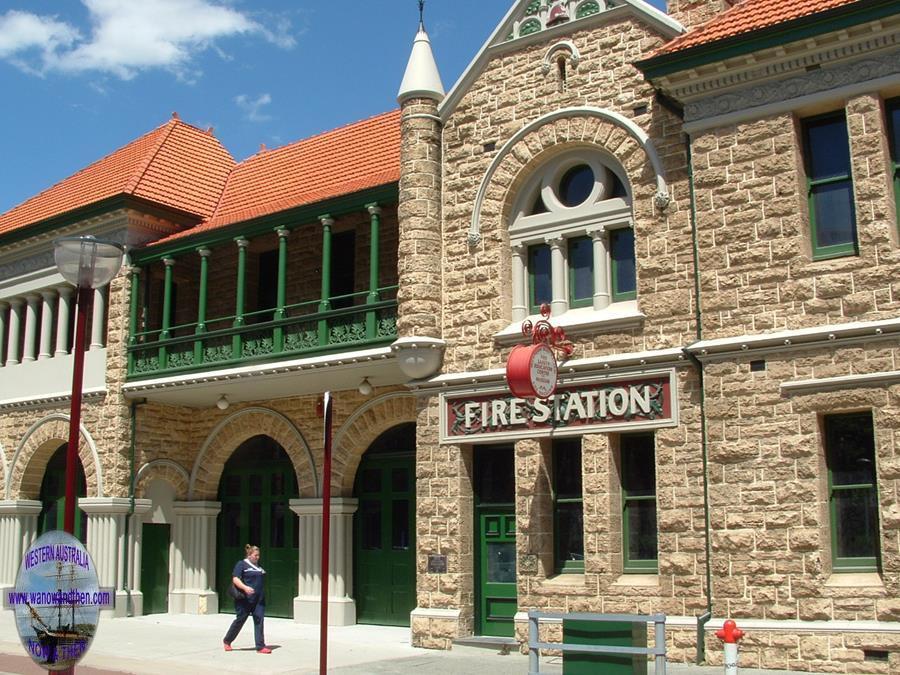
(283, 234)
(164, 334)
(325, 302)
(204, 254)
(374, 227)
(133, 313)
(237, 340)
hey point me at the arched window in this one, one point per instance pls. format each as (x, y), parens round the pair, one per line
(572, 237)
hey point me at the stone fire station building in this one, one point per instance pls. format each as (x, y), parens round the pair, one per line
(707, 200)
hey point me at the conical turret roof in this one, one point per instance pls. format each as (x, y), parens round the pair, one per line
(422, 79)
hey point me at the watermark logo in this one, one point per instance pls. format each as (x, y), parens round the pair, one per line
(57, 600)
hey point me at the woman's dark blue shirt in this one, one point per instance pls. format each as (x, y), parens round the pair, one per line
(254, 578)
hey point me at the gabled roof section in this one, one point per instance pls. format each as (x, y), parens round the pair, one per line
(530, 21)
(747, 16)
(752, 25)
(349, 159)
(176, 166)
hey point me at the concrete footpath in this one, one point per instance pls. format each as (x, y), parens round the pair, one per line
(163, 644)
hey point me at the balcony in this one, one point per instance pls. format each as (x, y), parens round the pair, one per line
(259, 336)
(283, 293)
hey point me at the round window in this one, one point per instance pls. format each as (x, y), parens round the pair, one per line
(576, 185)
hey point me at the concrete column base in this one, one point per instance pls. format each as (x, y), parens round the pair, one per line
(341, 611)
(193, 602)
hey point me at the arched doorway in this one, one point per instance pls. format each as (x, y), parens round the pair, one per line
(384, 543)
(53, 495)
(257, 484)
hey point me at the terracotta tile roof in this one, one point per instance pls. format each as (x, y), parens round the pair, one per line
(176, 166)
(355, 157)
(747, 16)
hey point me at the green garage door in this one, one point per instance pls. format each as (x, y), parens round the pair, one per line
(256, 486)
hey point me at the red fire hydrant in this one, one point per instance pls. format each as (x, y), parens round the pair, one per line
(730, 634)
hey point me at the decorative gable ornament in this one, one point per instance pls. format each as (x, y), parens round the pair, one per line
(540, 15)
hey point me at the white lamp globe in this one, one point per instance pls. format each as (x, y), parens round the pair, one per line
(88, 262)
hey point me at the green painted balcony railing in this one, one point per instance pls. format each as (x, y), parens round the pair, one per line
(356, 323)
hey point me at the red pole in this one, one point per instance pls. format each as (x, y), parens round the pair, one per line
(83, 304)
(326, 532)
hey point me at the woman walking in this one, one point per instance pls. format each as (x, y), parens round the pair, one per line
(248, 580)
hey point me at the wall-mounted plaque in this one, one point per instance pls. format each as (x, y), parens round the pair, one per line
(437, 564)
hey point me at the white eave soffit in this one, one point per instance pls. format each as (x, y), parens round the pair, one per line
(497, 42)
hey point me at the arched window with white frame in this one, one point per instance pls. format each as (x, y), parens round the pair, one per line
(572, 238)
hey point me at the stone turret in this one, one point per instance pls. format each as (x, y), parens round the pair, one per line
(419, 297)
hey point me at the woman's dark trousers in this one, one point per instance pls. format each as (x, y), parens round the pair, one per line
(243, 609)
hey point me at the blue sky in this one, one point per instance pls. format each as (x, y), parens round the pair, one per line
(83, 77)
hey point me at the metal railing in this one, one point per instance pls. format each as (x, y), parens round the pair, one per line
(658, 650)
(231, 341)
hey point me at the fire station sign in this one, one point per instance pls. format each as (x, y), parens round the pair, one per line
(603, 405)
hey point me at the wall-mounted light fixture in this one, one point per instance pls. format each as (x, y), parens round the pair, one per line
(365, 387)
(223, 402)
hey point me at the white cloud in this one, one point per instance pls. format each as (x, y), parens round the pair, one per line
(253, 107)
(129, 36)
(21, 32)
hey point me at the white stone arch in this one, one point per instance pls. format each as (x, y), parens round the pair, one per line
(362, 427)
(167, 470)
(32, 441)
(211, 459)
(620, 121)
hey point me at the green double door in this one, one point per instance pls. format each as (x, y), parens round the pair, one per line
(384, 532)
(256, 486)
(495, 555)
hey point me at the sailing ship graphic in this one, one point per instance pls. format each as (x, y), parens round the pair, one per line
(63, 629)
(57, 600)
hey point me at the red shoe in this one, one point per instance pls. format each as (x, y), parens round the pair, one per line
(227, 646)
(264, 650)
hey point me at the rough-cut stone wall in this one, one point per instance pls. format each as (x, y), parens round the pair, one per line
(180, 434)
(512, 92)
(692, 13)
(444, 526)
(756, 257)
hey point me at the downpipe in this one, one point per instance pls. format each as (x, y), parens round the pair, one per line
(126, 557)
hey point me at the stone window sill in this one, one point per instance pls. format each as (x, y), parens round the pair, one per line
(637, 580)
(854, 580)
(560, 580)
(618, 316)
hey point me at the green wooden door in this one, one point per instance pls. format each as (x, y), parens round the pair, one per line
(155, 567)
(384, 533)
(495, 554)
(256, 486)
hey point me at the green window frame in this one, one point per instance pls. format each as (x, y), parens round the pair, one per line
(852, 492)
(892, 111)
(623, 273)
(832, 208)
(581, 290)
(568, 506)
(539, 253)
(640, 546)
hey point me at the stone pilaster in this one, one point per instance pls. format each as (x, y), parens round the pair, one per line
(18, 529)
(106, 542)
(341, 606)
(419, 212)
(194, 560)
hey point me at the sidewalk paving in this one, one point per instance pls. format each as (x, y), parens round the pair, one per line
(162, 644)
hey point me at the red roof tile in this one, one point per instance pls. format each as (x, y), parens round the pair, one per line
(355, 157)
(748, 16)
(176, 166)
